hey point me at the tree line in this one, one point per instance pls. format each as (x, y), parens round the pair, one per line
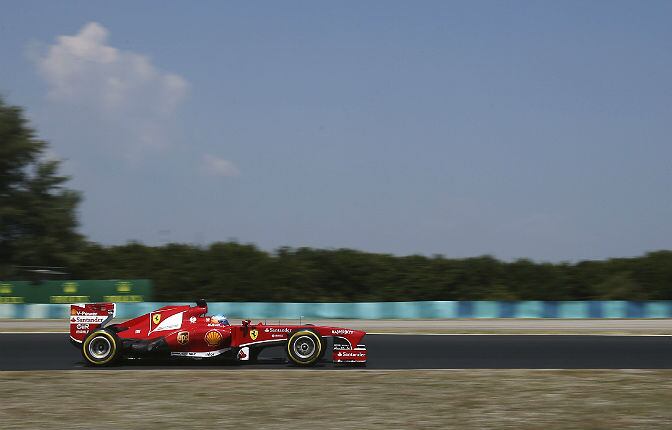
(38, 227)
(230, 271)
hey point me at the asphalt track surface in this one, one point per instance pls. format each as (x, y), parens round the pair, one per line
(52, 351)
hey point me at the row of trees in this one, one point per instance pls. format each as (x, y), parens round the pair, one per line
(238, 272)
(38, 226)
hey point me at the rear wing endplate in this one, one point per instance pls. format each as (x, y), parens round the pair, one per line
(86, 317)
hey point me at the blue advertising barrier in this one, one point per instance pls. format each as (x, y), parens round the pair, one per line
(382, 310)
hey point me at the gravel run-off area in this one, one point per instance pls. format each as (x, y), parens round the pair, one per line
(279, 399)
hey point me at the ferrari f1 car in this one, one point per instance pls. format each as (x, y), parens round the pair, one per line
(187, 332)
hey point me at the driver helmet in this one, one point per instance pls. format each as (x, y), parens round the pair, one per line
(219, 319)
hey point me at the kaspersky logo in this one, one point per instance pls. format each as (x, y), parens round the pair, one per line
(5, 288)
(70, 287)
(124, 287)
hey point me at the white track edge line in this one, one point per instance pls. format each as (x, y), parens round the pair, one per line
(352, 369)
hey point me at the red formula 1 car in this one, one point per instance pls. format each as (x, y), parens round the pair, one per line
(186, 332)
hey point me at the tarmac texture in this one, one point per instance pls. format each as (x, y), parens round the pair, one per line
(53, 351)
(494, 326)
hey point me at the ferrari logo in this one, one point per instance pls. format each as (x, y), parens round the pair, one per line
(183, 337)
(156, 318)
(254, 333)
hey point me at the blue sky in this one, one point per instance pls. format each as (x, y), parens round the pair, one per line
(517, 129)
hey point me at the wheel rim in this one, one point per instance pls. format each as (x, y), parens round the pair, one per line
(100, 347)
(304, 347)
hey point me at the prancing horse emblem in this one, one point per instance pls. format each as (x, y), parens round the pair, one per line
(156, 318)
(254, 333)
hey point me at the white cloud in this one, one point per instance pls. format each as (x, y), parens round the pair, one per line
(124, 87)
(216, 166)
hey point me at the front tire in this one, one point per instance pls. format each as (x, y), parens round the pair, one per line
(304, 347)
(101, 348)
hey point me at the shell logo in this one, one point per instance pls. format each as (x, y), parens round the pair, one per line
(73, 311)
(213, 337)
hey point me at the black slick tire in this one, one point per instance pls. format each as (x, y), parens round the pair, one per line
(101, 348)
(304, 347)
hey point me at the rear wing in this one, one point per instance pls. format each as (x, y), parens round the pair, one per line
(87, 317)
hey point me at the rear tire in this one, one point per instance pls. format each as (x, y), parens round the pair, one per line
(101, 348)
(304, 347)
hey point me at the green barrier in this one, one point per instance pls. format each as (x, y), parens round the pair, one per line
(76, 291)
